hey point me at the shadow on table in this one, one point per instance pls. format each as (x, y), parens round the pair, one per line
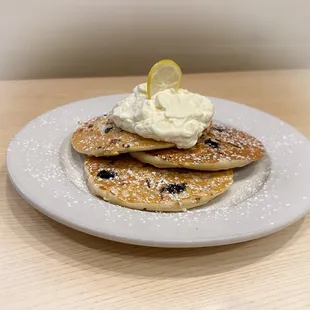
(70, 246)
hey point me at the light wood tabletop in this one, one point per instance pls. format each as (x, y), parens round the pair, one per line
(45, 265)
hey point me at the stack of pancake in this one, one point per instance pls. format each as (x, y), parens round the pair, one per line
(128, 170)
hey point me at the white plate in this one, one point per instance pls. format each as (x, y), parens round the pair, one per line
(266, 196)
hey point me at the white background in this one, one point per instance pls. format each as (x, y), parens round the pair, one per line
(63, 38)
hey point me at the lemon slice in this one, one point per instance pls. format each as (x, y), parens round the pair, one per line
(163, 75)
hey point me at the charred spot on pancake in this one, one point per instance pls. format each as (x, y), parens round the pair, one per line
(174, 188)
(126, 146)
(106, 174)
(213, 144)
(108, 129)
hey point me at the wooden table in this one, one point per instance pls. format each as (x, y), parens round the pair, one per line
(45, 265)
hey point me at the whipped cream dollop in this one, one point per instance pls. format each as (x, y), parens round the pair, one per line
(173, 116)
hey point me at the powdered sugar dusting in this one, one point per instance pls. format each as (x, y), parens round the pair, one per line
(247, 180)
(72, 164)
(165, 189)
(220, 145)
(268, 193)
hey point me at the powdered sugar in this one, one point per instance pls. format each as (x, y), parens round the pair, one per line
(272, 194)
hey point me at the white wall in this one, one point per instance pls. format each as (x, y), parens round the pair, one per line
(59, 38)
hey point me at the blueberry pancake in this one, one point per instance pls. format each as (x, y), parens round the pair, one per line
(101, 137)
(219, 149)
(125, 181)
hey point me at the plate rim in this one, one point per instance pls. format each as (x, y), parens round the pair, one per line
(236, 238)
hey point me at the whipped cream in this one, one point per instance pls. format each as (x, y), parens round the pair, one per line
(140, 89)
(173, 116)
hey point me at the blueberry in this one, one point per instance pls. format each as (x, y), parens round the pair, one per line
(105, 174)
(174, 188)
(108, 129)
(213, 144)
(148, 183)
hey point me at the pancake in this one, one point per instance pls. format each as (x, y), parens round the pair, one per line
(101, 137)
(219, 149)
(125, 181)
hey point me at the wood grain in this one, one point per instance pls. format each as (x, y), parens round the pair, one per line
(45, 265)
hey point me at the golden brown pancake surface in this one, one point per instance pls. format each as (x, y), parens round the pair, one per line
(125, 181)
(101, 137)
(220, 148)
